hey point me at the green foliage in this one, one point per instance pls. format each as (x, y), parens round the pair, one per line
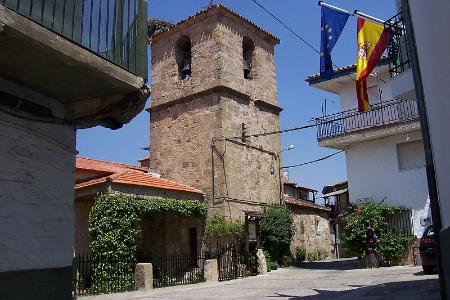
(316, 255)
(113, 227)
(300, 254)
(366, 232)
(276, 232)
(271, 264)
(286, 261)
(218, 227)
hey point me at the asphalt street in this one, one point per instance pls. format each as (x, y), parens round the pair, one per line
(319, 280)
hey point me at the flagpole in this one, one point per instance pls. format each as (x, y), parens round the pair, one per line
(368, 17)
(321, 3)
(356, 12)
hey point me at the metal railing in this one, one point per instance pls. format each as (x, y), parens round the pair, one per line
(402, 221)
(100, 274)
(234, 261)
(171, 269)
(381, 114)
(114, 29)
(398, 46)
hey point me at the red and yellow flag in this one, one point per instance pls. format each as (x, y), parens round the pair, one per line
(372, 41)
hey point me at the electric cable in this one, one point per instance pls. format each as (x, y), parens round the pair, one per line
(313, 161)
(306, 42)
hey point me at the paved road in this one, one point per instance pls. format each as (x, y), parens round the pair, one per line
(321, 280)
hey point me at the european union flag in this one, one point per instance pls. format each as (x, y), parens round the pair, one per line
(332, 24)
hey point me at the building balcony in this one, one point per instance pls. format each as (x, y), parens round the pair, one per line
(347, 127)
(402, 81)
(89, 55)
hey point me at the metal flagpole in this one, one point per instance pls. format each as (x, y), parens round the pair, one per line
(368, 17)
(321, 3)
(355, 13)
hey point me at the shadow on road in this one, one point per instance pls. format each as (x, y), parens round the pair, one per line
(344, 264)
(418, 289)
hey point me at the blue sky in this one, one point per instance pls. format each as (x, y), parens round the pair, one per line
(294, 62)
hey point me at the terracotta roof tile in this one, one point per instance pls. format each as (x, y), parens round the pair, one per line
(105, 166)
(131, 177)
(304, 203)
(224, 8)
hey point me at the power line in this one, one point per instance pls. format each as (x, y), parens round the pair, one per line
(287, 27)
(310, 45)
(313, 161)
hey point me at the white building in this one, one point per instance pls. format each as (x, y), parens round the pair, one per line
(383, 147)
(427, 31)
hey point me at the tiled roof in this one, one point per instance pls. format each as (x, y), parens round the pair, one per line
(219, 7)
(295, 184)
(144, 158)
(383, 60)
(304, 203)
(105, 166)
(137, 178)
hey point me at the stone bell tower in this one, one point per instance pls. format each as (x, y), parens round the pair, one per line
(213, 83)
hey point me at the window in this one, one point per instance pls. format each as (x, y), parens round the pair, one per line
(248, 48)
(183, 57)
(411, 155)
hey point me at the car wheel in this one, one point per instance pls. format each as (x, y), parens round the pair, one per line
(427, 269)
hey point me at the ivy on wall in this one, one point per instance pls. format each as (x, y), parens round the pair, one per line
(113, 226)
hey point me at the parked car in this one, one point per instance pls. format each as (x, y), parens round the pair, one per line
(427, 250)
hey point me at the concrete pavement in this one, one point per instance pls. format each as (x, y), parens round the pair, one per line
(320, 280)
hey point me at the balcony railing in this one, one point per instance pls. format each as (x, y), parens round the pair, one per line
(114, 29)
(398, 47)
(346, 122)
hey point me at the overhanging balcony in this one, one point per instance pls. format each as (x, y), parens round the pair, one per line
(336, 130)
(90, 55)
(402, 81)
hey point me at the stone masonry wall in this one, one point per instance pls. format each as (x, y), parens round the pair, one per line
(186, 115)
(180, 141)
(216, 59)
(311, 230)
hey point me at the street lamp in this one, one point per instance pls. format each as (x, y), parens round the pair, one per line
(290, 147)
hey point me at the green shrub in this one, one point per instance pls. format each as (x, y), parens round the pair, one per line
(217, 227)
(316, 255)
(367, 232)
(300, 254)
(276, 232)
(286, 261)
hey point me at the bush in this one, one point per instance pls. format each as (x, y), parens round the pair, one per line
(276, 232)
(218, 228)
(300, 254)
(316, 255)
(286, 261)
(366, 232)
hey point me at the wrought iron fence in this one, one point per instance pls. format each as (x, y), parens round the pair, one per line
(402, 221)
(114, 29)
(174, 268)
(391, 112)
(95, 275)
(398, 46)
(234, 262)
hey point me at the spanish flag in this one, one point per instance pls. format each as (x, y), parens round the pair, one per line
(372, 41)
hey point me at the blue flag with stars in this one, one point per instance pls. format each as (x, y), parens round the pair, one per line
(332, 24)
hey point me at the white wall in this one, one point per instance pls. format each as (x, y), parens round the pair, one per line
(432, 30)
(348, 91)
(373, 172)
(36, 194)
